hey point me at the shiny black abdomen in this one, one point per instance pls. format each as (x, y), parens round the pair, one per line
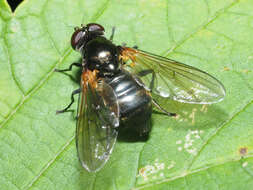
(134, 102)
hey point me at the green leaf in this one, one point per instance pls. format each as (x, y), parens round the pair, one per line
(204, 147)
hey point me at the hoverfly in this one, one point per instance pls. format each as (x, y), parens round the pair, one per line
(117, 84)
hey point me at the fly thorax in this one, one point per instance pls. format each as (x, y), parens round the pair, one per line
(102, 55)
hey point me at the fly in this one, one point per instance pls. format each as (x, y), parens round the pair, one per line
(117, 87)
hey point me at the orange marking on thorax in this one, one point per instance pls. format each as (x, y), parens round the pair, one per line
(128, 53)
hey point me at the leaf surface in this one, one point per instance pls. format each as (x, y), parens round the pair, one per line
(204, 147)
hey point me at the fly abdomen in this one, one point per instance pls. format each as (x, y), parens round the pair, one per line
(134, 102)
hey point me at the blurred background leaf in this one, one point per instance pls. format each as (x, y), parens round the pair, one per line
(204, 147)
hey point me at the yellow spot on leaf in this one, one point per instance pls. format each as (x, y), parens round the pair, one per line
(226, 69)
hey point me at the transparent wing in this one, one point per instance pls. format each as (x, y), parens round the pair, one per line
(98, 116)
(171, 79)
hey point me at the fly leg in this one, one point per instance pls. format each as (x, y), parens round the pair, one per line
(147, 72)
(77, 91)
(162, 109)
(70, 67)
(151, 87)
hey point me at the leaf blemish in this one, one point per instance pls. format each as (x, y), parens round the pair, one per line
(192, 115)
(177, 117)
(180, 120)
(151, 170)
(244, 164)
(179, 148)
(243, 151)
(246, 71)
(204, 108)
(190, 138)
(186, 116)
(154, 171)
(172, 164)
(185, 112)
(226, 69)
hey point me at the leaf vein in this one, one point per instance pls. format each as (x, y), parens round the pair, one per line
(170, 34)
(138, 163)
(43, 20)
(100, 11)
(201, 27)
(185, 174)
(217, 131)
(10, 63)
(34, 90)
(50, 162)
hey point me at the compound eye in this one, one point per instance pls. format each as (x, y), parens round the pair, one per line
(93, 27)
(76, 37)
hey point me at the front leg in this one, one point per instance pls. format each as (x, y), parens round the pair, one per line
(70, 67)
